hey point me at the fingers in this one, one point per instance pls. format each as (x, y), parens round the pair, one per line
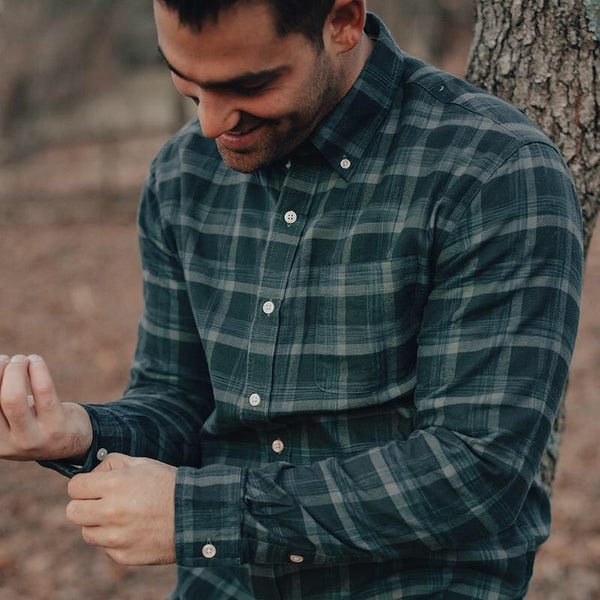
(3, 362)
(87, 513)
(91, 486)
(42, 386)
(102, 537)
(13, 395)
(116, 461)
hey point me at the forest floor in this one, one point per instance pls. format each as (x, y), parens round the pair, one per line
(71, 291)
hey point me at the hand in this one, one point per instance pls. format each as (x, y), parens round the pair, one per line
(127, 507)
(47, 430)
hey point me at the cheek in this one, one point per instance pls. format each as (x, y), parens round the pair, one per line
(272, 106)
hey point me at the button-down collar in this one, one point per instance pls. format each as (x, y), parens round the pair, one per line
(343, 136)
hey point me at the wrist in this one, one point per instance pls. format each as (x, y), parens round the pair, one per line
(82, 433)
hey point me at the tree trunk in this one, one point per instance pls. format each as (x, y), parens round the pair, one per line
(543, 56)
(433, 30)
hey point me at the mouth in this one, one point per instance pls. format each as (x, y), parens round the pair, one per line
(240, 140)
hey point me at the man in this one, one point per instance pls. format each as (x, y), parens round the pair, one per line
(361, 283)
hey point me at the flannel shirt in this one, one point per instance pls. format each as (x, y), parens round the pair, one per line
(355, 355)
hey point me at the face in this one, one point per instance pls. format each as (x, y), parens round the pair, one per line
(259, 95)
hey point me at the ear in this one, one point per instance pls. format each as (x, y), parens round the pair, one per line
(345, 23)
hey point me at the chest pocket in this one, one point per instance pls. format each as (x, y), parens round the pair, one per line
(366, 324)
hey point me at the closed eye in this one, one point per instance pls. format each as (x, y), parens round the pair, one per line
(252, 88)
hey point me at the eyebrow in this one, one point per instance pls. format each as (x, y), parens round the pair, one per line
(244, 78)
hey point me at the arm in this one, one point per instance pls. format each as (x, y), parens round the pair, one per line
(169, 394)
(496, 340)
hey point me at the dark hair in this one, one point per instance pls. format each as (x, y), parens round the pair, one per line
(291, 16)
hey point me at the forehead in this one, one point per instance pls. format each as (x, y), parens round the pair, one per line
(244, 38)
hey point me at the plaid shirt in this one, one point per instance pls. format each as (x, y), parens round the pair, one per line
(355, 356)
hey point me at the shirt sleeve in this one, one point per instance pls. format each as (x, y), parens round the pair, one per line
(169, 393)
(494, 348)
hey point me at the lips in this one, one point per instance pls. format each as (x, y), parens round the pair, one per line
(240, 140)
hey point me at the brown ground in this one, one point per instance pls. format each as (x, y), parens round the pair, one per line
(70, 290)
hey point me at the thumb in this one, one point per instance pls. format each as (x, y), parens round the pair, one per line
(116, 461)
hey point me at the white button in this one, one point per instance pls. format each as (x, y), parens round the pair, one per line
(208, 551)
(277, 446)
(268, 307)
(296, 558)
(288, 164)
(290, 217)
(101, 454)
(254, 400)
(345, 163)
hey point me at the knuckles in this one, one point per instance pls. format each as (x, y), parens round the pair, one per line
(110, 541)
(74, 487)
(89, 537)
(13, 404)
(71, 512)
(44, 390)
(123, 557)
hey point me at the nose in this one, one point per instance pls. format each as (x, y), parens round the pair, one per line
(216, 115)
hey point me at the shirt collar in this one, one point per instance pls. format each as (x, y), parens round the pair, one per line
(344, 134)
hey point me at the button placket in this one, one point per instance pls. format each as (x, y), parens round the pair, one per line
(276, 260)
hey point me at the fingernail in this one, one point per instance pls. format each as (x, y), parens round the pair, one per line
(18, 358)
(4, 358)
(34, 358)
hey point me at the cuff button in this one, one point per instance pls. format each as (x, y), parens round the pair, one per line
(208, 551)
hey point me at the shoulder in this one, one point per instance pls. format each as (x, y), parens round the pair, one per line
(457, 141)
(460, 123)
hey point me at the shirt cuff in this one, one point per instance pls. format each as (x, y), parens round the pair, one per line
(208, 515)
(112, 439)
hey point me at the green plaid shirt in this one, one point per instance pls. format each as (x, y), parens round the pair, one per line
(355, 356)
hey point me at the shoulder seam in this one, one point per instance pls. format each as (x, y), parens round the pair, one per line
(502, 160)
(461, 105)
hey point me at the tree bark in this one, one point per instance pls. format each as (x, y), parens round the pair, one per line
(543, 56)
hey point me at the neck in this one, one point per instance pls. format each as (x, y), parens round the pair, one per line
(355, 61)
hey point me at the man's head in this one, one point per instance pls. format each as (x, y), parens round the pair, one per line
(291, 16)
(261, 80)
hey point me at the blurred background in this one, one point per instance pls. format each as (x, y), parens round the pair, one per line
(84, 105)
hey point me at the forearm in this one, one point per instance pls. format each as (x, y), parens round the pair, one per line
(432, 492)
(162, 425)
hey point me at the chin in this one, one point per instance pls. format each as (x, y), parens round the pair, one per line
(245, 163)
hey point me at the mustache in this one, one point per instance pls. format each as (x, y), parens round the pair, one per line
(247, 123)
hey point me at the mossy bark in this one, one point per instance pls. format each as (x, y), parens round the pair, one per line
(543, 56)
